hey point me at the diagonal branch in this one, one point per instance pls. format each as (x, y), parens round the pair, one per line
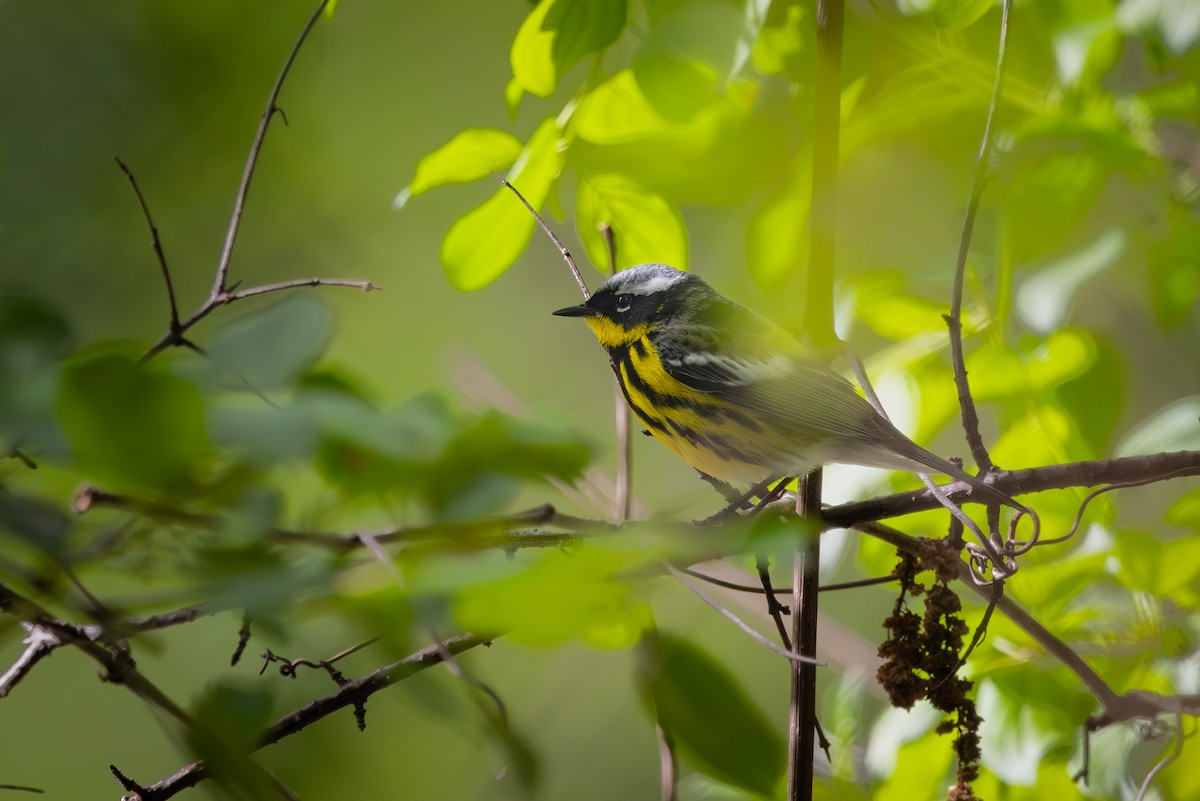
(156, 242)
(355, 691)
(260, 135)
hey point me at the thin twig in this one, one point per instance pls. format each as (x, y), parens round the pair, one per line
(348, 694)
(1000, 566)
(156, 242)
(230, 297)
(624, 441)
(758, 589)
(220, 294)
(737, 621)
(970, 417)
(239, 203)
(566, 254)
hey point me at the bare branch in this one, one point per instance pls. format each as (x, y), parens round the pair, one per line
(230, 297)
(113, 656)
(220, 294)
(156, 242)
(624, 479)
(1147, 469)
(970, 417)
(566, 254)
(737, 621)
(239, 203)
(354, 691)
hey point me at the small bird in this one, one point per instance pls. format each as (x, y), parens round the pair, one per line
(733, 394)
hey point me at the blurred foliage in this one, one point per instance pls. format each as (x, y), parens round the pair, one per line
(683, 124)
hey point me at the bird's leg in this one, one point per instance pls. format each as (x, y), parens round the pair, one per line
(736, 501)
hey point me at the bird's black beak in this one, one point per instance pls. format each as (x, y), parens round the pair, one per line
(577, 311)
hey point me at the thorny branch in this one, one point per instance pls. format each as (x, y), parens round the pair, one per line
(221, 294)
(353, 692)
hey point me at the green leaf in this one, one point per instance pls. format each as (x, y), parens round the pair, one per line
(472, 154)
(487, 240)
(958, 13)
(616, 112)
(1185, 511)
(132, 424)
(691, 54)
(687, 687)
(647, 227)
(999, 371)
(558, 34)
(560, 597)
(270, 347)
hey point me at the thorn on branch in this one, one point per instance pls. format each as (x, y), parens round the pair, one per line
(128, 784)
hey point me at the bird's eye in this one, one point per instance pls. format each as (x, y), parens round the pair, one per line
(624, 302)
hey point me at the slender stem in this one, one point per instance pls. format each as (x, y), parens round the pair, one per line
(566, 254)
(624, 441)
(737, 621)
(230, 297)
(156, 242)
(260, 135)
(970, 416)
(802, 718)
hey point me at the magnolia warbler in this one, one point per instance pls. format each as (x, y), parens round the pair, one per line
(732, 393)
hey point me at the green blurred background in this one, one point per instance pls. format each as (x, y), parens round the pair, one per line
(1093, 200)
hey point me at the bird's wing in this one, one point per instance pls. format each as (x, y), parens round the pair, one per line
(749, 362)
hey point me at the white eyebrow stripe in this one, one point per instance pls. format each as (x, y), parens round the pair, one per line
(656, 284)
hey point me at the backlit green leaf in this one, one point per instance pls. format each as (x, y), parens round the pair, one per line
(560, 597)
(472, 154)
(1185, 511)
(647, 227)
(486, 241)
(558, 34)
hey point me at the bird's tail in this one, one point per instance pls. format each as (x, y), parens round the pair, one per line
(937, 464)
